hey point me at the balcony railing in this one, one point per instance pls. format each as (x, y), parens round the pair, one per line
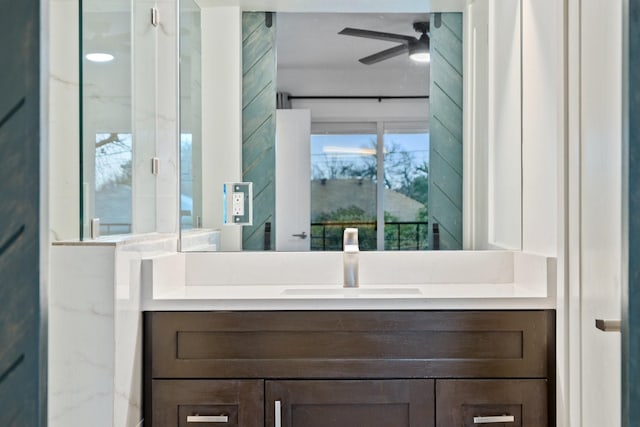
(398, 235)
(109, 228)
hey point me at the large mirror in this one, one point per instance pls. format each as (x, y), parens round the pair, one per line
(340, 127)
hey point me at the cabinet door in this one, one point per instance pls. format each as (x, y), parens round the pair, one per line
(512, 403)
(204, 403)
(379, 403)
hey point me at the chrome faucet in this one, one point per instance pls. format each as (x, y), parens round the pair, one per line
(350, 257)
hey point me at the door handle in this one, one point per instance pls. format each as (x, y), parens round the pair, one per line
(494, 419)
(608, 325)
(302, 235)
(207, 419)
(277, 418)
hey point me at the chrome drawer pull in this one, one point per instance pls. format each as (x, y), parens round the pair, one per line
(608, 325)
(207, 419)
(494, 419)
(277, 422)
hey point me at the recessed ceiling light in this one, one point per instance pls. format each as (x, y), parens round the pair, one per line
(99, 57)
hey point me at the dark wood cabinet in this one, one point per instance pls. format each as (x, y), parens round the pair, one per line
(371, 403)
(341, 368)
(186, 403)
(514, 403)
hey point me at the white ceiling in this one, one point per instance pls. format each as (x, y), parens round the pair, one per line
(311, 40)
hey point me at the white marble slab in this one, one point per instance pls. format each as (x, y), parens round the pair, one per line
(312, 281)
(95, 330)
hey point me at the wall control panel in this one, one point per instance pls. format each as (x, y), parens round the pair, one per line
(238, 203)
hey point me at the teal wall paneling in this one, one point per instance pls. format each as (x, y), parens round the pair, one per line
(20, 374)
(258, 123)
(631, 305)
(445, 128)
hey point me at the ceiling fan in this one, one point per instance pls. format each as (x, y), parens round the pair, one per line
(418, 48)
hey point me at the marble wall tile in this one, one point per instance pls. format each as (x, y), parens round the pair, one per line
(64, 186)
(128, 369)
(81, 336)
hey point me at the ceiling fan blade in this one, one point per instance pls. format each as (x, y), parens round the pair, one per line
(385, 54)
(377, 35)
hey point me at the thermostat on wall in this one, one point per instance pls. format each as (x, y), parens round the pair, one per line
(238, 203)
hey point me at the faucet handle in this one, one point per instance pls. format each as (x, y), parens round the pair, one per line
(350, 240)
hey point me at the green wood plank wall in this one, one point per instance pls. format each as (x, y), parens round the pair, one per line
(19, 214)
(445, 122)
(259, 123)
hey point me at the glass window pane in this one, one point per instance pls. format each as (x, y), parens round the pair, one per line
(113, 154)
(406, 172)
(343, 189)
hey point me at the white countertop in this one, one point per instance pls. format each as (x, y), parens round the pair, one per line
(529, 284)
(271, 297)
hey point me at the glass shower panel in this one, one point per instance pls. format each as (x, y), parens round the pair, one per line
(118, 120)
(107, 132)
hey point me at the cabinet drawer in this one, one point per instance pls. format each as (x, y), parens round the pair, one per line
(202, 403)
(508, 403)
(367, 344)
(342, 403)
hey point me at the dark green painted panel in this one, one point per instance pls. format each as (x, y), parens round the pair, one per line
(448, 79)
(250, 23)
(261, 42)
(258, 124)
(445, 111)
(449, 218)
(446, 133)
(631, 310)
(450, 51)
(254, 236)
(260, 141)
(449, 147)
(262, 183)
(258, 111)
(20, 374)
(453, 21)
(449, 182)
(261, 78)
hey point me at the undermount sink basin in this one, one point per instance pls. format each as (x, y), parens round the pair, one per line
(353, 292)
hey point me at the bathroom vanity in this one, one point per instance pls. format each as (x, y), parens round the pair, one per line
(350, 368)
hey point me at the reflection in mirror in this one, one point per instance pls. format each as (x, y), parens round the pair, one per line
(190, 116)
(376, 144)
(369, 131)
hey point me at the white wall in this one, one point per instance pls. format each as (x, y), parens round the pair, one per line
(492, 148)
(544, 203)
(596, 289)
(505, 126)
(542, 123)
(221, 114)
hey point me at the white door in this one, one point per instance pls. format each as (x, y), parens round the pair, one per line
(293, 180)
(600, 207)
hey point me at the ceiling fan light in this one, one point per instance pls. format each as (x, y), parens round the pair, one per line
(419, 51)
(423, 56)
